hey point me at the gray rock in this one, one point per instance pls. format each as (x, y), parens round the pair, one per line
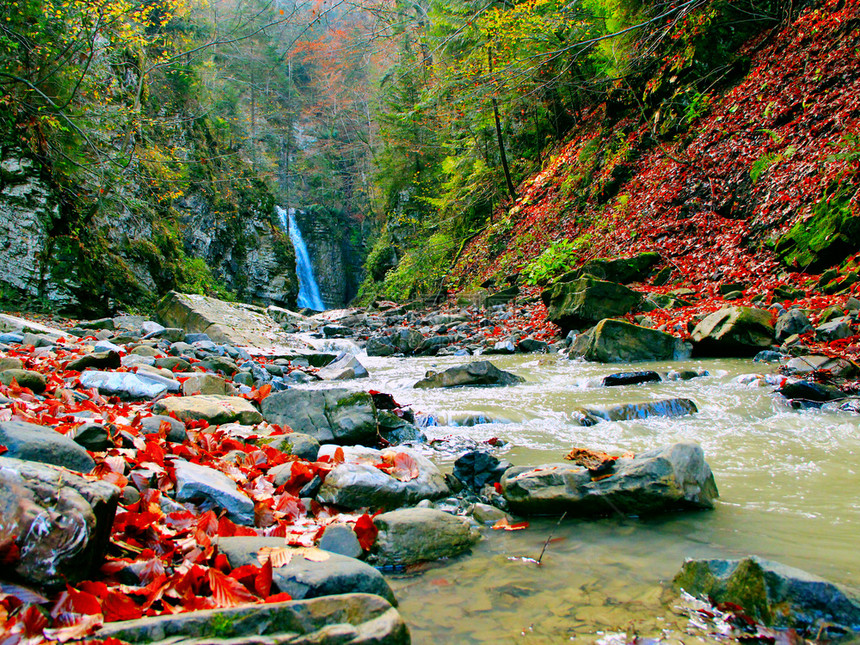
(99, 360)
(123, 384)
(733, 331)
(396, 430)
(335, 415)
(152, 425)
(194, 481)
(431, 345)
(295, 443)
(305, 578)
(62, 521)
(586, 301)
(31, 442)
(805, 364)
(793, 321)
(206, 384)
(380, 346)
(107, 346)
(502, 297)
(92, 436)
(833, 330)
(532, 346)
(644, 410)
(502, 347)
(411, 535)
(631, 378)
(623, 270)
(668, 478)
(614, 341)
(407, 340)
(341, 539)
(486, 514)
(213, 408)
(474, 373)
(25, 378)
(345, 367)
(772, 593)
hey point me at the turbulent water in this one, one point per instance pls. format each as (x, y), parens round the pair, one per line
(309, 291)
(788, 484)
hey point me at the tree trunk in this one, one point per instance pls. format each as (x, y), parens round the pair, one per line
(511, 190)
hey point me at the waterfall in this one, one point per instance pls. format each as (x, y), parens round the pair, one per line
(309, 291)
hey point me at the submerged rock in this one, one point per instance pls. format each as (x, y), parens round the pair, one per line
(643, 410)
(475, 373)
(412, 535)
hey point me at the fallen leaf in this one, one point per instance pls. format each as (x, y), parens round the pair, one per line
(365, 531)
(277, 556)
(227, 591)
(315, 555)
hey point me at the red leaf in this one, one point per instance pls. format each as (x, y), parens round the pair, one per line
(9, 551)
(405, 467)
(72, 601)
(263, 581)
(339, 457)
(227, 591)
(3, 449)
(366, 531)
(119, 606)
(279, 597)
(33, 621)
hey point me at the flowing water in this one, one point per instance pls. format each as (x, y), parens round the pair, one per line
(788, 484)
(309, 291)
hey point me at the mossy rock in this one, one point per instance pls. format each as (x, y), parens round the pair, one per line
(621, 270)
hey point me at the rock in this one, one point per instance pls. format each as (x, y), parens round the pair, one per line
(358, 483)
(295, 443)
(98, 360)
(194, 481)
(31, 442)
(475, 469)
(207, 384)
(219, 364)
(335, 415)
(10, 363)
(486, 514)
(380, 346)
(346, 366)
(532, 346)
(811, 391)
(152, 425)
(673, 477)
(305, 578)
(630, 378)
(123, 384)
(475, 373)
(793, 321)
(733, 331)
(412, 535)
(396, 430)
(586, 301)
(407, 340)
(772, 593)
(336, 331)
(768, 356)
(644, 410)
(431, 345)
(346, 619)
(615, 341)
(25, 378)
(502, 297)
(62, 522)
(622, 270)
(341, 539)
(836, 366)
(92, 436)
(833, 330)
(213, 408)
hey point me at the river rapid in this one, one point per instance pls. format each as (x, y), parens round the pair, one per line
(788, 484)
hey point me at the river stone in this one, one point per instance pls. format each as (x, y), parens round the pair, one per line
(810, 391)
(643, 410)
(152, 425)
(346, 366)
(345, 619)
(100, 360)
(31, 442)
(62, 521)
(92, 436)
(477, 468)
(431, 345)
(123, 384)
(410, 535)
(25, 378)
(792, 322)
(631, 378)
(673, 477)
(618, 341)
(213, 408)
(772, 593)
(207, 384)
(10, 363)
(299, 444)
(833, 330)
(474, 373)
(335, 415)
(194, 481)
(357, 483)
(586, 301)
(380, 346)
(733, 331)
(341, 539)
(836, 366)
(396, 430)
(532, 346)
(303, 578)
(407, 340)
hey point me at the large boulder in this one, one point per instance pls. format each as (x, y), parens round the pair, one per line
(381, 478)
(321, 574)
(213, 408)
(410, 535)
(345, 619)
(733, 331)
(622, 270)
(792, 322)
(60, 521)
(586, 301)
(475, 373)
(772, 593)
(668, 478)
(618, 341)
(32, 442)
(335, 415)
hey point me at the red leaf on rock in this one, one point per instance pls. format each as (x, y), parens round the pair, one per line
(338, 457)
(227, 591)
(119, 606)
(3, 449)
(365, 531)
(279, 597)
(72, 601)
(405, 467)
(263, 581)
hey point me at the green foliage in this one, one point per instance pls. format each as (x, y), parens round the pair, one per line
(421, 270)
(559, 258)
(195, 276)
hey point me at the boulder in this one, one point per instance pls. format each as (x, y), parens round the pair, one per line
(616, 341)
(123, 384)
(810, 391)
(733, 331)
(346, 366)
(207, 384)
(335, 415)
(502, 297)
(31, 442)
(346, 619)
(829, 331)
(631, 378)
(212, 408)
(836, 366)
(673, 477)
(586, 301)
(792, 322)
(772, 593)
(299, 444)
(380, 346)
(341, 539)
(622, 270)
(175, 432)
(25, 378)
(431, 345)
(629, 411)
(410, 535)
(532, 346)
(61, 521)
(98, 360)
(476, 468)
(358, 483)
(194, 481)
(301, 577)
(396, 430)
(475, 373)
(407, 340)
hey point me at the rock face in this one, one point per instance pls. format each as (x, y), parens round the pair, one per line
(772, 593)
(616, 341)
(476, 373)
(61, 521)
(412, 535)
(668, 478)
(733, 331)
(213, 408)
(30, 442)
(346, 619)
(335, 415)
(586, 301)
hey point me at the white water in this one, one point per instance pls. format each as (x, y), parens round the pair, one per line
(309, 291)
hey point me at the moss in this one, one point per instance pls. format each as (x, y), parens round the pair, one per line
(356, 398)
(221, 626)
(747, 587)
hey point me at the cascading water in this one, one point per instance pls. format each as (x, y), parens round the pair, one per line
(309, 291)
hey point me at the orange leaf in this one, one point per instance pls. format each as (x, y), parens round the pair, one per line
(227, 591)
(277, 556)
(405, 467)
(315, 555)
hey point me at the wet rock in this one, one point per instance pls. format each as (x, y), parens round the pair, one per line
(396, 430)
(358, 483)
(194, 482)
(346, 366)
(644, 410)
(477, 468)
(212, 408)
(669, 478)
(475, 373)
(810, 391)
(793, 321)
(341, 539)
(614, 341)
(335, 415)
(486, 514)
(630, 378)
(176, 429)
(62, 522)
(31, 442)
(380, 346)
(431, 345)
(412, 535)
(123, 384)
(25, 378)
(586, 301)
(347, 619)
(305, 578)
(295, 443)
(532, 346)
(805, 364)
(98, 360)
(733, 331)
(768, 356)
(772, 593)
